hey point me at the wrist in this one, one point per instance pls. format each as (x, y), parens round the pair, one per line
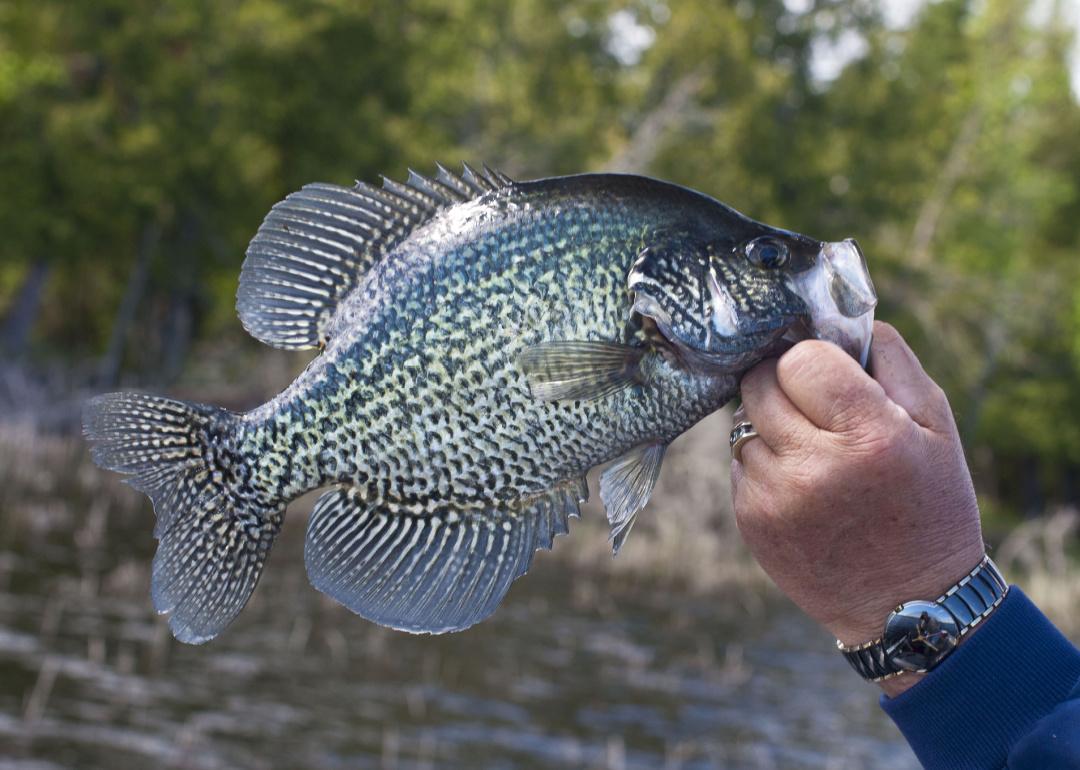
(920, 633)
(890, 588)
(898, 684)
(905, 681)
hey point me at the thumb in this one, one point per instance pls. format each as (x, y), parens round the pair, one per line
(903, 379)
(829, 387)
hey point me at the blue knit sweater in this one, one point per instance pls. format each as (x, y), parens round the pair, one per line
(1009, 697)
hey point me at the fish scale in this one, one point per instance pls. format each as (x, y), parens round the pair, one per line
(484, 343)
(482, 370)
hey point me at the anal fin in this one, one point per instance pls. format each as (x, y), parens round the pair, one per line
(627, 485)
(428, 572)
(579, 370)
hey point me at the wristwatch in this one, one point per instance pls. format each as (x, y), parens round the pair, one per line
(920, 634)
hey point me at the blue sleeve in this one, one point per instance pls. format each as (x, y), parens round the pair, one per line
(1009, 697)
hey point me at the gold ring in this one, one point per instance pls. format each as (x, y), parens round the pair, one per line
(740, 434)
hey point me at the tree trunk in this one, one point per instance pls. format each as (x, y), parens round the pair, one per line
(996, 340)
(952, 170)
(23, 314)
(111, 362)
(179, 328)
(1070, 491)
(1033, 498)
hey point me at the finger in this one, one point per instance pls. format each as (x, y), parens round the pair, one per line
(755, 456)
(829, 387)
(753, 462)
(896, 367)
(773, 415)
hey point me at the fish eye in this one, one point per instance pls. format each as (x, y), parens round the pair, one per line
(767, 252)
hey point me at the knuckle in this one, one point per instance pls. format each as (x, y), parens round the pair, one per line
(801, 359)
(758, 504)
(880, 445)
(744, 521)
(857, 407)
(791, 441)
(849, 413)
(933, 407)
(846, 418)
(939, 401)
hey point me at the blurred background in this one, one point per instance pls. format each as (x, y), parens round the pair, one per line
(141, 143)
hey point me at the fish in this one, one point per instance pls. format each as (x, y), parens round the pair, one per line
(482, 343)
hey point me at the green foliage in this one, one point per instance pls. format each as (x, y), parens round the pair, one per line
(159, 133)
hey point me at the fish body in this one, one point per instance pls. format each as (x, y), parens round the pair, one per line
(485, 343)
(418, 396)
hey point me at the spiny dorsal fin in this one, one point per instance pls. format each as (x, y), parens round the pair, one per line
(312, 248)
(431, 571)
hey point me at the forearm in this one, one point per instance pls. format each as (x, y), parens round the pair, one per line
(855, 497)
(1008, 697)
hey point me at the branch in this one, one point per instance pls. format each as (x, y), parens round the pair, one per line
(646, 141)
(933, 207)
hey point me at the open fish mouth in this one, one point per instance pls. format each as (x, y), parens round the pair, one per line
(840, 299)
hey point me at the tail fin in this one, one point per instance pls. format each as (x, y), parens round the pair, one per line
(214, 532)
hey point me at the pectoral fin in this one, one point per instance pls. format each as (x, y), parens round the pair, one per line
(626, 486)
(579, 371)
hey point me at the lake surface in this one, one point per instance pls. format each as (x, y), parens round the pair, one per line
(574, 671)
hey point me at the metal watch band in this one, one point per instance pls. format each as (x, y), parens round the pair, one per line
(967, 603)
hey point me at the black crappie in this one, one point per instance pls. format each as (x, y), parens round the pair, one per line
(486, 343)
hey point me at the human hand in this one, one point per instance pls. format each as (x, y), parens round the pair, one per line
(855, 497)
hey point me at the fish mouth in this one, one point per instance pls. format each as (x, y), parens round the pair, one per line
(837, 301)
(839, 297)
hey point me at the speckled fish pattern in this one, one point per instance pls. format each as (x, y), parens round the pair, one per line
(417, 398)
(480, 353)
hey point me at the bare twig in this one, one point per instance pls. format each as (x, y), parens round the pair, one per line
(922, 236)
(647, 139)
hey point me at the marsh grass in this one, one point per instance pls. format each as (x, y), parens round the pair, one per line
(92, 670)
(1037, 556)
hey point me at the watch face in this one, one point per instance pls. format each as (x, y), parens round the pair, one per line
(918, 635)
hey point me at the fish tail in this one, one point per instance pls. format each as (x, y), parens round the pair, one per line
(214, 526)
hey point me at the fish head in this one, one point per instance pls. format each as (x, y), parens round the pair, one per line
(726, 303)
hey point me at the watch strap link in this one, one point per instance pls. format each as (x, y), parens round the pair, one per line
(976, 596)
(970, 601)
(869, 660)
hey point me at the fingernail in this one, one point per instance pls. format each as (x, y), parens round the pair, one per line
(739, 415)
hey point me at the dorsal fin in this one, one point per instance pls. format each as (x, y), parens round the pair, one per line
(312, 248)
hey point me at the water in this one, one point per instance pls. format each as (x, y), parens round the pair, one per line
(573, 671)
